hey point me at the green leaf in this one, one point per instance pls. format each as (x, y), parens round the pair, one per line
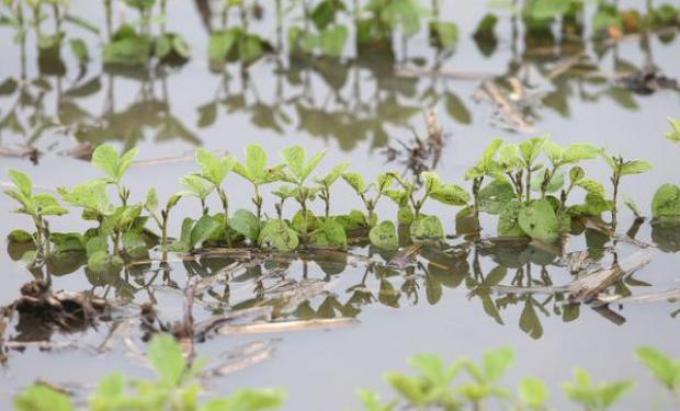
(42, 398)
(497, 362)
(22, 182)
(330, 234)
(555, 184)
(247, 400)
(666, 202)
(47, 205)
(427, 228)
(90, 195)
(246, 223)
(334, 174)
(276, 234)
(384, 236)
(79, 49)
(106, 158)
(222, 44)
(665, 369)
(508, 221)
(332, 40)
(548, 9)
(196, 186)
(450, 194)
(530, 149)
(635, 167)
(165, 354)
(256, 162)
(205, 227)
(407, 387)
(356, 181)
(494, 197)
(539, 221)
(151, 201)
(674, 134)
(214, 168)
(102, 262)
(19, 236)
(534, 393)
(445, 34)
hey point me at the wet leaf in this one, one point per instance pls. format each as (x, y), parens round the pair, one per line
(213, 167)
(384, 236)
(329, 234)
(205, 227)
(246, 223)
(538, 221)
(276, 234)
(427, 228)
(666, 202)
(494, 197)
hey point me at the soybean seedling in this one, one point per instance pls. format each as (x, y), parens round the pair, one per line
(107, 159)
(161, 217)
(195, 186)
(37, 206)
(214, 170)
(620, 168)
(258, 173)
(297, 170)
(383, 183)
(327, 181)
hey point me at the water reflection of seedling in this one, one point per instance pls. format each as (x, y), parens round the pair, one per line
(621, 168)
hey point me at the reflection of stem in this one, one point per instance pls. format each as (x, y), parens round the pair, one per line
(109, 18)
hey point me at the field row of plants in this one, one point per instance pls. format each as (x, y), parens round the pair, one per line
(178, 387)
(317, 27)
(530, 186)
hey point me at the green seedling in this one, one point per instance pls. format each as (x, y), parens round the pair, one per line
(327, 181)
(595, 397)
(114, 166)
(666, 203)
(297, 171)
(160, 216)
(195, 186)
(37, 206)
(486, 376)
(214, 170)
(533, 394)
(258, 173)
(175, 388)
(620, 168)
(382, 184)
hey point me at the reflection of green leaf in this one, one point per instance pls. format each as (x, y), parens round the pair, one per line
(456, 109)
(529, 321)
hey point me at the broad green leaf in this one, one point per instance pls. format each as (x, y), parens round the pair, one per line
(19, 236)
(445, 33)
(246, 223)
(539, 221)
(576, 174)
(666, 202)
(205, 227)
(329, 234)
(106, 158)
(407, 387)
(222, 44)
(195, 186)
(91, 195)
(102, 261)
(665, 369)
(356, 181)
(497, 362)
(22, 182)
(276, 234)
(494, 197)
(534, 393)
(332, 40)
(334, 174)
(294, 157)
(384, 236)
(635, 167)
(555, 184)
(508, 221)
(47, 205)
(530, 149)
(548, 9)
(427, 228)
(165, 354)
(213, 167)
(450, 194)
(42, 398)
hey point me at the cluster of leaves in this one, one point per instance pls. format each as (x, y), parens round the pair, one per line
(135, 45)
(433, 387)
(502, 184)
(176, 388)
(514, 172)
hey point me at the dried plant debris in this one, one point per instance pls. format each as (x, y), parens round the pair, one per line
(41, 312)
(512, 107)
(419, 155)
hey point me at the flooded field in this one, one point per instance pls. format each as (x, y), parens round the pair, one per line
(328, 317)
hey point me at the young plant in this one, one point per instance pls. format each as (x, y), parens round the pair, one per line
(674, 134)
(425, 226)
(195, 186)
(297, 170)
(37, 206)
(161, 217)
(107, 159)
(214, 170)
(327, 181)
(595, 397)
(620, 168)
(258, 173)
(383, 183)
(486, 376)
(176, 387)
